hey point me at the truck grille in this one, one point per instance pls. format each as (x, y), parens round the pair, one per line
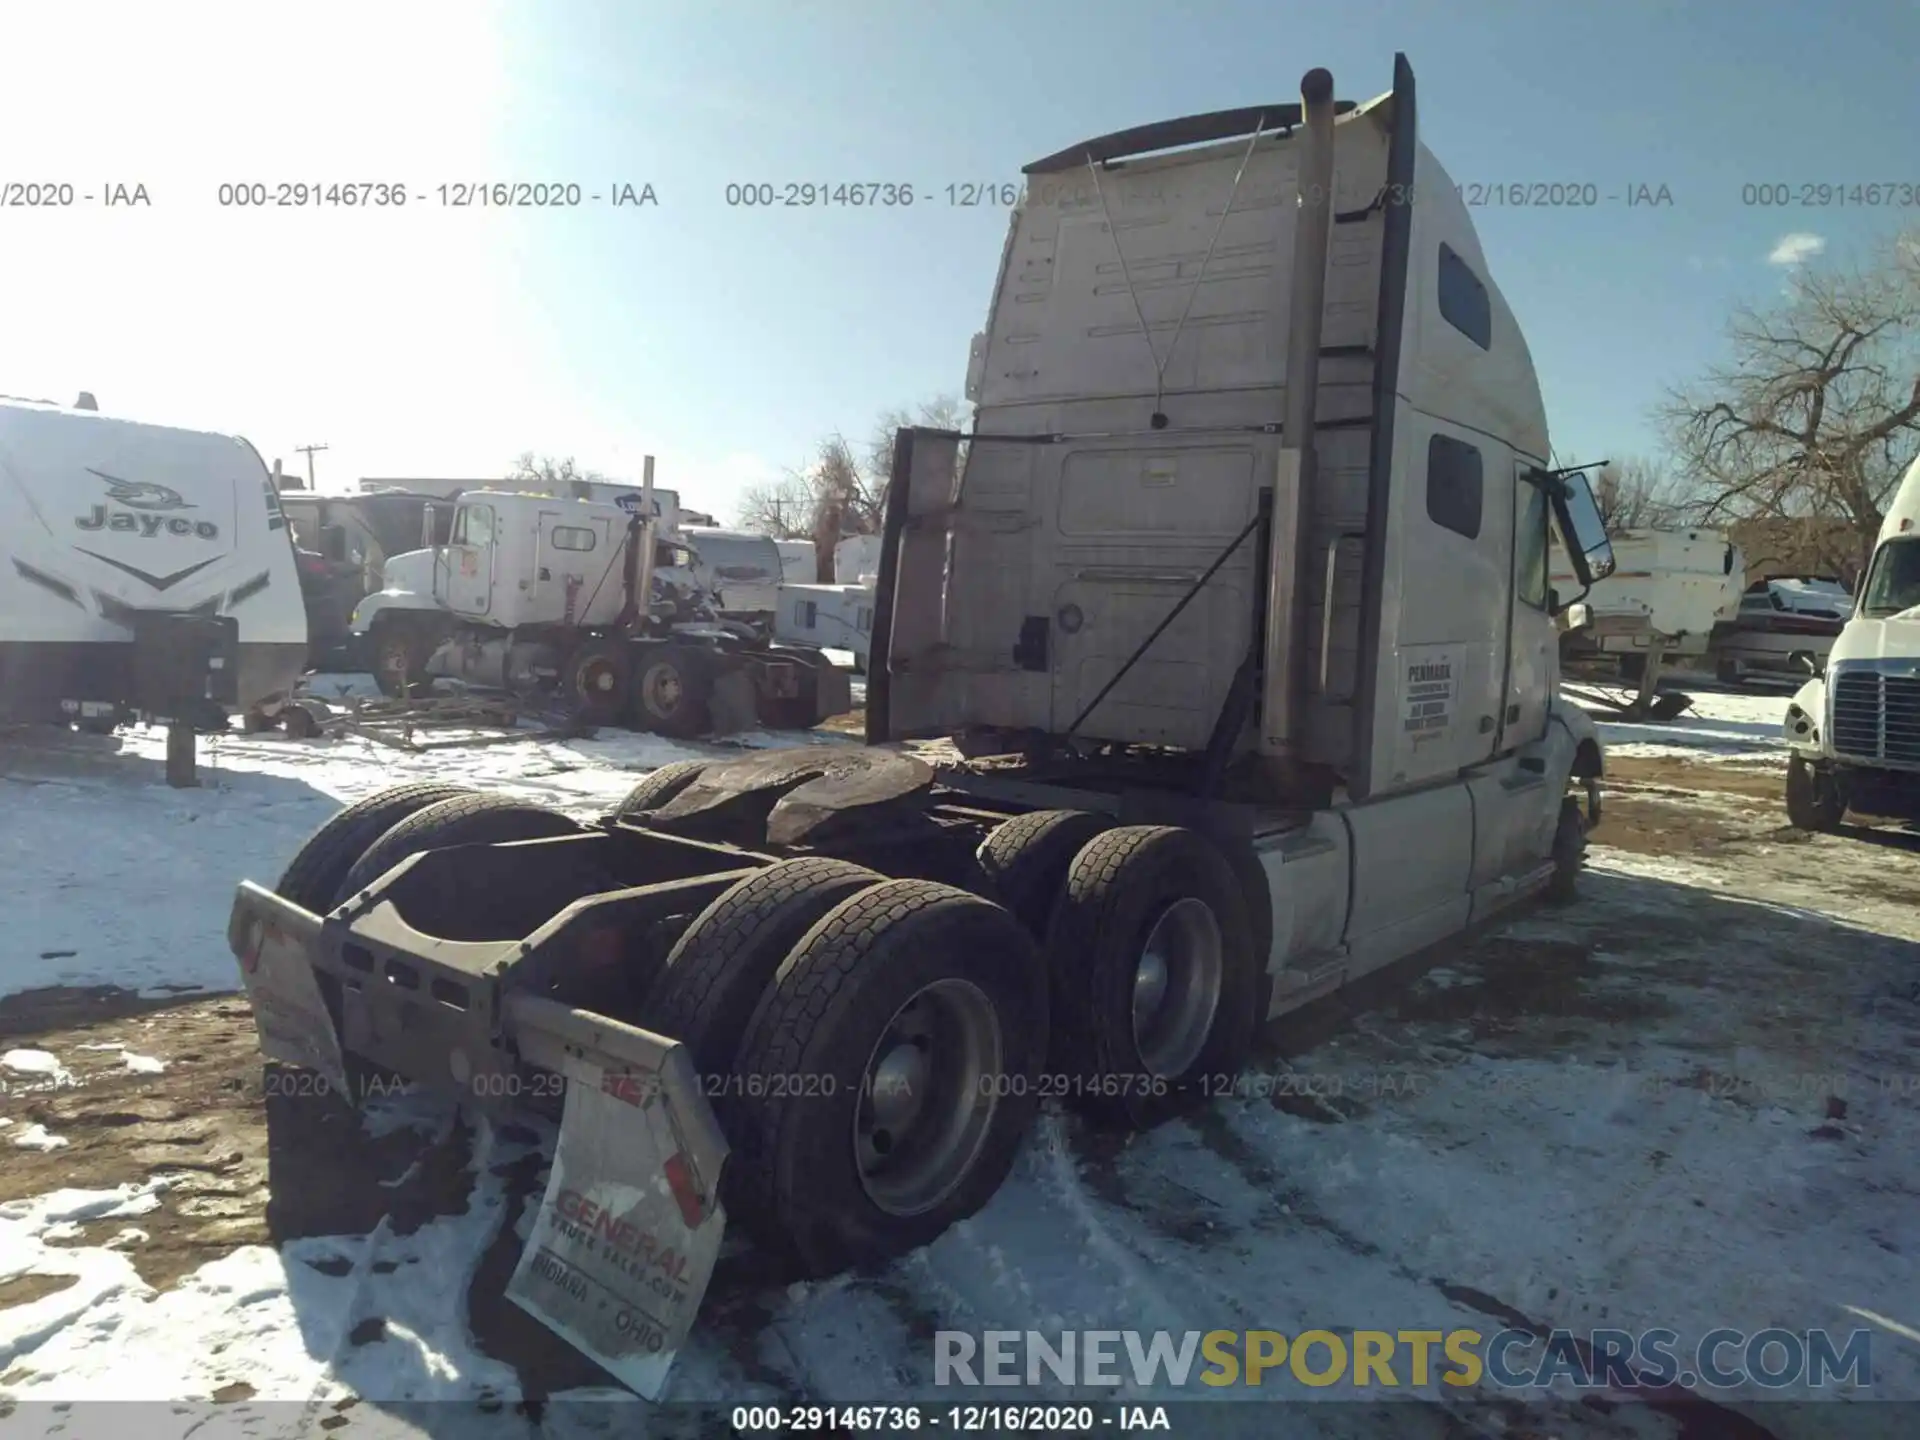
(1877, 717)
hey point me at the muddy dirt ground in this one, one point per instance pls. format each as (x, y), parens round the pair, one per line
(258, 1157)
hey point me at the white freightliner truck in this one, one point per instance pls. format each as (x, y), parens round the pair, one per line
(1243, 593)
(1854, 733)
(539, 592)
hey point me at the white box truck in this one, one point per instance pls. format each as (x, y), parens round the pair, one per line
(1854, 733)
(149, 574)
(1245, 575)
(1659, 607)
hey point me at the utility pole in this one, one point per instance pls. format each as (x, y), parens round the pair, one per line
(308, 451)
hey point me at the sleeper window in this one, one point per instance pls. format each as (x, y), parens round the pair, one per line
(1454, 486)
(1463, 299)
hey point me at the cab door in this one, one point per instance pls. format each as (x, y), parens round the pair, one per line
(470, 559)
(1533, 642)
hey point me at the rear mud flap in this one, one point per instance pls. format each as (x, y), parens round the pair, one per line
(731, 708)
(625, 1242)
(834, 693)
(621, 1252)
(271, 938)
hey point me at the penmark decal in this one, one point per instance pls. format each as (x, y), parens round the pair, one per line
(150, 500)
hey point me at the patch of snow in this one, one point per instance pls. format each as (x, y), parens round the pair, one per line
(1721, 726)
(145, 1064)
(37, 1137)
(161, 927)
(45, 1069)
(287, 1322)
(128, 1236)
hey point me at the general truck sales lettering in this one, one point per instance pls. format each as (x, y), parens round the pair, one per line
(145, 526)
(588, 1220)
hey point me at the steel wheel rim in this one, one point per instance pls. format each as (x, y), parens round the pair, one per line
(663, 689)
(1176, 986)
(927, 1097)
(597, 679)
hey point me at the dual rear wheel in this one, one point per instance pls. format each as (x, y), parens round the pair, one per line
(876, 1049)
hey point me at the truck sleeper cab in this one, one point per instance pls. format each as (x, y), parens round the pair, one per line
(1853, 734)
(1257, 663)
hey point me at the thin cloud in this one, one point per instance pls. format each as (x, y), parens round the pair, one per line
(1795, 249)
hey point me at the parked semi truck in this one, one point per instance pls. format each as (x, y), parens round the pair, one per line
(538, 592)
(1249, 617)
(1854, 733)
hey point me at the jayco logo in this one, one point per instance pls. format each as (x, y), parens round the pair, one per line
(146, 504)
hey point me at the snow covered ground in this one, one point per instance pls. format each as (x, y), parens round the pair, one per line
(1689, 1101)
(1742, 727)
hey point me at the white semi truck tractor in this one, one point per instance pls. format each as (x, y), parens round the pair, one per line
(1241, 602)
(543, 593)
(1853, 734)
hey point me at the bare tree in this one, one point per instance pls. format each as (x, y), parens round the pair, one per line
(1635, 494)
(944, 412)
(782, 508)
(1818, 411)
(547, 471)
(841, 492)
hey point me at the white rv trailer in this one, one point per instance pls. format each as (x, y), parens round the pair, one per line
(1257, 611)
(799, 562)
(830, 617)
(1671, 588)
(149, 572)
(856, 560)
(741, 570)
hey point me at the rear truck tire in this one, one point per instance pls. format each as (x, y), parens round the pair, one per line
(599, 680)
(305, 719)
(889, 1075)
(1155, 978)
(713, 978)
(97, 724)
(397, 645)
(670, 689)
(657, 789)
(1569, 853)
(313, 877)
(1024, 861)
(458, 820)
(1814, 801)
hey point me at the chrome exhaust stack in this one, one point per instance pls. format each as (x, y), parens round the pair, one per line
(1289, 598)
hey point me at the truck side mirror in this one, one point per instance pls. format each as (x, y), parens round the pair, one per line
(1581, 527)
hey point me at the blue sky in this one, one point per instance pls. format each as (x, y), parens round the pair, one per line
(728, 340)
